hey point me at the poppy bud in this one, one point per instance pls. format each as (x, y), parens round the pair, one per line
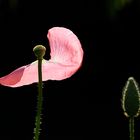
(131, 98)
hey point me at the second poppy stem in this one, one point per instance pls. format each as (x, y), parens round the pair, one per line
(131, 128)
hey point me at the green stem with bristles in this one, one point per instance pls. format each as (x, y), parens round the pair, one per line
(131, 128)
(39, 101)
(39, 51)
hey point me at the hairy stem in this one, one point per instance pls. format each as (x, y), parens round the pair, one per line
(131, 128)
(39, 101)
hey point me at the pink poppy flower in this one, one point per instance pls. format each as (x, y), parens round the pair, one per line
(66, 58)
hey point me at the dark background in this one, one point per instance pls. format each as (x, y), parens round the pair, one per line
(87, 105)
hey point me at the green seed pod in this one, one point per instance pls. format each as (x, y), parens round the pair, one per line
(39, 51)
(131, 98)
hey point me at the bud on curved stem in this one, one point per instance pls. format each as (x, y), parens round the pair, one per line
(131, 103)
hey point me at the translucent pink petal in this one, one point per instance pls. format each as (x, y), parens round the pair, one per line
(65, 46)
(66, 59)
(24, 75)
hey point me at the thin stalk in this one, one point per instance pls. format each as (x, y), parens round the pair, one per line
(39, 51)
(39, 101)
(131, 128)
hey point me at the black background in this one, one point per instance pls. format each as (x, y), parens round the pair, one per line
(87, 105)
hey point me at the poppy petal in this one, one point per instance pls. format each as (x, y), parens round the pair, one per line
(65, 46)
(66, 59)
(24, 75)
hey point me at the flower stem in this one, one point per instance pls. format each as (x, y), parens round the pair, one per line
(39, 101)
(39, 51)
(131, 128)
